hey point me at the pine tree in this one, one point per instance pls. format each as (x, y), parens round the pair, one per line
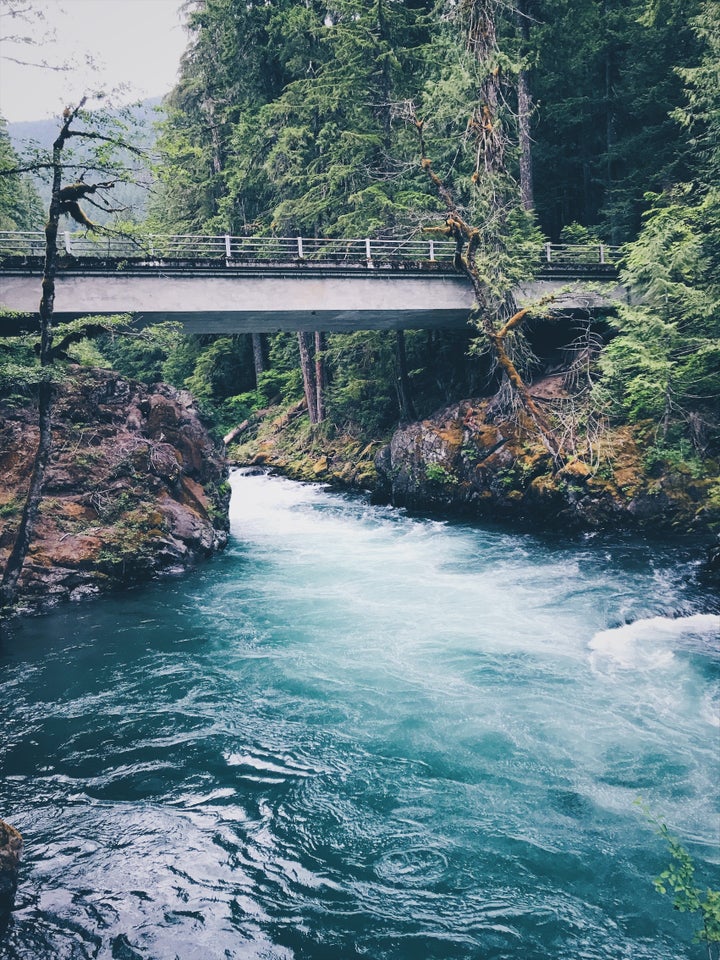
(665, 363)
(332, 137)
(605, 84)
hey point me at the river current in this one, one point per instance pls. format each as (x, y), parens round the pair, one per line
(359, 734)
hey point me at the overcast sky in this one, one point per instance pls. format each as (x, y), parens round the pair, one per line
(136, 42)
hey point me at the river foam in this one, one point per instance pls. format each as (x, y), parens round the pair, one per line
(652, 641)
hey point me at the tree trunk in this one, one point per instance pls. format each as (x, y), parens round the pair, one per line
(527, 197)
(308, 375)
(407, 408)
(208, 105)
(610, 113)
(46, 389)
(258, 358)
(490, 138)
(385, 105)
(320, 376)
(527, 192)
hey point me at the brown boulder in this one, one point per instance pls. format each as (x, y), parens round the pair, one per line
(469, 459)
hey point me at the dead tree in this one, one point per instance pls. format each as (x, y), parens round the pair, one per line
(491, 140)
(64, 200)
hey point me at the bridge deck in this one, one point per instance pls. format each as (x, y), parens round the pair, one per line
(233, 295)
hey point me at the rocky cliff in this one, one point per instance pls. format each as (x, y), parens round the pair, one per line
(135, 488)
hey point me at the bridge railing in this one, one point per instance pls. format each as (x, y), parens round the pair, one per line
(580, 254)
(154, 247)
(22, 243)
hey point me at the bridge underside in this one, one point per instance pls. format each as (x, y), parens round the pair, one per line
(268, 302)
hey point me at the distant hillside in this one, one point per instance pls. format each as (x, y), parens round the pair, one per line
(30, 135)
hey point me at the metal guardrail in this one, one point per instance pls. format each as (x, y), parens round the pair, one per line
(144, 248)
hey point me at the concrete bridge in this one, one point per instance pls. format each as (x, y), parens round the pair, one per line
(228, 285)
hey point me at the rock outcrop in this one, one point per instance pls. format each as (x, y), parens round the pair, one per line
(135, 488)
(467, 459)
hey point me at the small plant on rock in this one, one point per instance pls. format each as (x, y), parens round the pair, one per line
(437, 473)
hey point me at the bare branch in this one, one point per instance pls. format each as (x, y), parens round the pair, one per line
(42, 65)
(115, 141)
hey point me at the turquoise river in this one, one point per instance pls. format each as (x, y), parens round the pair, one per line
(360, 734)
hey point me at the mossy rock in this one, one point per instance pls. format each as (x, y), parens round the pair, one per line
(576, 470)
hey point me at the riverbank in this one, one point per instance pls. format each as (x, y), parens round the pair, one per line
(137, 487)
(468, 461)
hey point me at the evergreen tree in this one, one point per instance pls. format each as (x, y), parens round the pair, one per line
(700, 113)
(291, 117)
(664, 364)
(605, 84)
(332, 138)
(20, 205)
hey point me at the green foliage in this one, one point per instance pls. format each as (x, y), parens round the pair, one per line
(361, 396)
(11, 508)
(664, 363)
(291, 113)
(131, 548)
(681, 455)
(291, 117)
(331, 136)
(136, 353)
(576, 233)
(604, 76)
(20, 370)
(700, 113)
(178, 363)
(20, 206)
(678, 880)
(88, 354)
(285, 118)
(277, 384)
(437, 473)
(222, 366)
(19, 365)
